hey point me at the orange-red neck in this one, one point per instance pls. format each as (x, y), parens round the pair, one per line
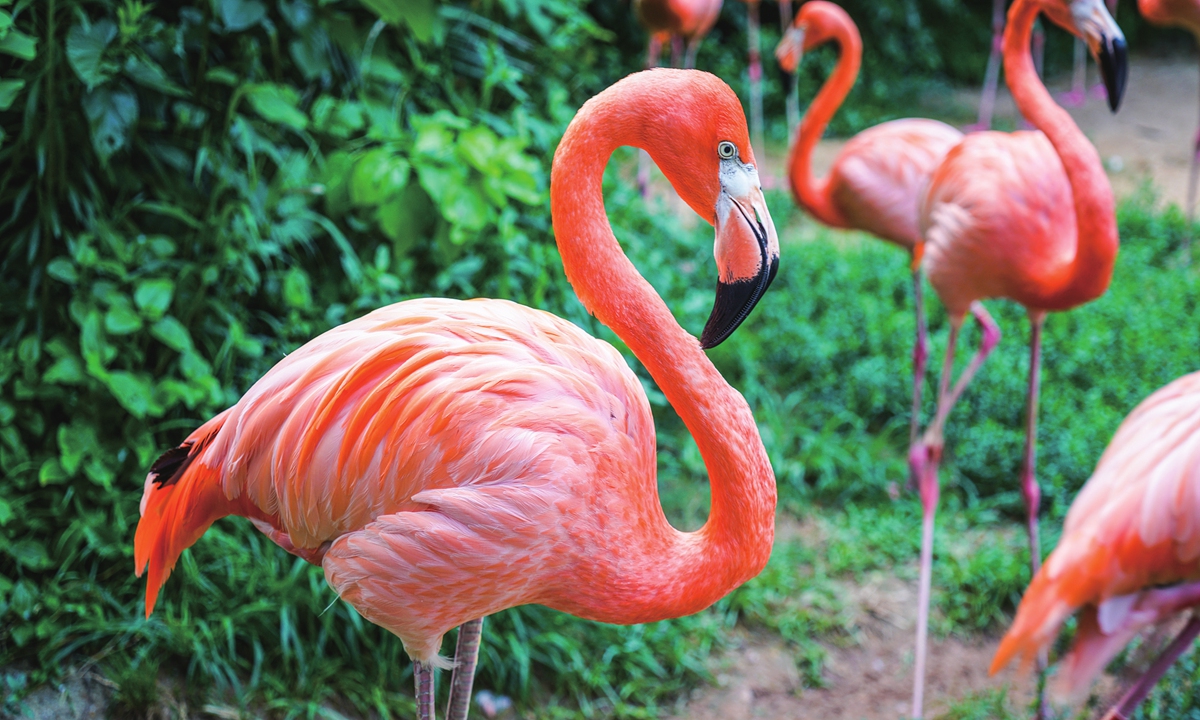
(1096, 246)
(686, 571)
(813, 195)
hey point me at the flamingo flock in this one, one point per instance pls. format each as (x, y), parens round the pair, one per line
(443, 460)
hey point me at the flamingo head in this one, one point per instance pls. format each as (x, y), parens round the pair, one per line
(817, 23)
(693, 126)
(1090, 21)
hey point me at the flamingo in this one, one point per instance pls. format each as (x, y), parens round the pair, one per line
(443, 460)
(679, 20)
(755, 71)
(1184, 14)
(792, 101)
(1026, 216)
(1128, 553)
(876, 180)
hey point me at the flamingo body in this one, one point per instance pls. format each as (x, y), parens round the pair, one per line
(999, 222)
(1172, 13)
(876, 181)
(1131, 536)
(689, 19)
(442, 460)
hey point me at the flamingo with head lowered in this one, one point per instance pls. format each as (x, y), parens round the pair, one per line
(1129, 556)
(1027, 216)
(443, 460)
(876, 180)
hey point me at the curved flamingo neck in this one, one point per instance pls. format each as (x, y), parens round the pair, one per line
(812, 194)
(674, 573)
(1089, 273)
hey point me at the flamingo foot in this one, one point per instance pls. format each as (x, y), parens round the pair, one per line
(1073, 98)
(1099, 92)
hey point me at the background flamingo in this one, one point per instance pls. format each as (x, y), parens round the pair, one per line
(678, 20)
(875, 182)
(443, 460)
(1184, 14)
(1026, 216)
(1129, 549)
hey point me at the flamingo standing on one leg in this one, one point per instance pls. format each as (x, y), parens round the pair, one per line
(1130, 550)
(444, 460)
(991, 77)
(1184, 14)
(1026, 216)
(876, 181)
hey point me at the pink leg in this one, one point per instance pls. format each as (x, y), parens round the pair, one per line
(920, 363)
(756, 109)
(466, 657)
(689, 58)
(1140, 689)
(991, 78)
(793, 95)
(676, 51)
(1193, 176)
(423, 676)
(924, 459)
(1029, 486)
(1076, 96)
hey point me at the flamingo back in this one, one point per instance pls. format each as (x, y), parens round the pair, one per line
(688, 18)
(998, 221)
(1134, 527)
(878, 177)
(1180, 13)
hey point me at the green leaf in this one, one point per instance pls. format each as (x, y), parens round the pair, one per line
(132, 391)
(193, 366)
(6, 512)
(30, 553)
(238, 15)
(122, 320)
(153, 296)
(221, 76)
(421, 16)
(296, 291)
(9, 89)
(149, 74)
(378, 175)
(18, 44)
(111, 113)
(75, 442)
(277, 103)
(67, 370)
(62, 269)
(85, 52)
(464, 205)
(172, 333)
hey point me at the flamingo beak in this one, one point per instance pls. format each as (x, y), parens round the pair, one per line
(790, 50)
(1105, 40)
(746, 250)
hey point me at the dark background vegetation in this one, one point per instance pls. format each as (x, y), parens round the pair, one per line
(189, 191)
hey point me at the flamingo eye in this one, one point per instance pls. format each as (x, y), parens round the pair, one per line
(726, 150)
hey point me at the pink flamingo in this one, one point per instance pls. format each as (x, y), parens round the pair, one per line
(679, 20)
(1128, 552)
(755, 71)
(876, 181)
(443, 460)
(1184, 14)
(1026, 216)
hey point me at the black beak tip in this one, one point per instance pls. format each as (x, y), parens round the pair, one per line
(733, 304)
(1114, 66)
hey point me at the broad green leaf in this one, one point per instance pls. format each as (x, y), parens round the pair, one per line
(111, 113)
(239, 14)
(464, 205)
(193, 366)
(122, 320)
(221, 76)
(67, 370)
(85, 51)
(92, 342)
(421, 16)
(18, 44)
(147, 73)
(6, 512)
(277, 103)
(30, 553)
(6, 21)
(153, 296)
(172, 333)
(62, 269)
(7, 413)
(377, 175)
(477, 146)
(132, 391)
(9, 89)
(75, 442)
(296, 291)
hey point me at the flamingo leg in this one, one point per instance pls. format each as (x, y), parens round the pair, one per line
(991, 78)
(689, 58)
(1030, 490)
(423, 677)
(1193, 177)
(793, 91)
(466, 656)
(676, 51)
(1077, 95)
(756, 108)
(924, 460)
(920, 363)
(1133, 697)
